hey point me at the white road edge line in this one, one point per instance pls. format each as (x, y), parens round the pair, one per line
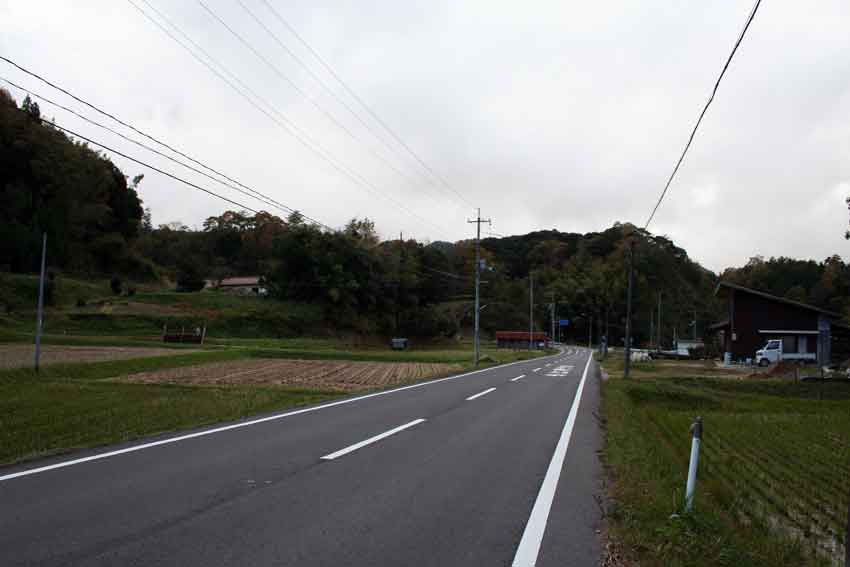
(520, 377)
(369, 441)
(479, 394)
(239, 425)
(532, 537)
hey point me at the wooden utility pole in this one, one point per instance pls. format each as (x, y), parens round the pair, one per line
(530, 311)
(39, 318)
(659, 321)
(627, 363)
(477, 339)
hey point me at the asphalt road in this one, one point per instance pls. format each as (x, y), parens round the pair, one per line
(479, 469)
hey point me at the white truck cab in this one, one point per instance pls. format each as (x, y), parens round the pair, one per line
(770, 353)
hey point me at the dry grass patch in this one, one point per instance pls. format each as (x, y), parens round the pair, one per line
(326, 375)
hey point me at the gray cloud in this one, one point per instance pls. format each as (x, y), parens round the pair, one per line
(565, 115)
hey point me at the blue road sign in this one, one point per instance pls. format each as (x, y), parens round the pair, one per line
(564, 322)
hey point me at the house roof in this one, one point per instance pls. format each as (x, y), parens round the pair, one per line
(240, 281)
(776, 298)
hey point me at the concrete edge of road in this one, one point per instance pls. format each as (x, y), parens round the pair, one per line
(26, 469)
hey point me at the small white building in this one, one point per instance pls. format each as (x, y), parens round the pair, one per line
(243, 285)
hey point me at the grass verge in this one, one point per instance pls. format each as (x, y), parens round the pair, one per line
(773, 469)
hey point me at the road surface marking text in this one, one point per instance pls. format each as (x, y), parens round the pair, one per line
(560, 371)
(369, 441)
(520, 377)
(532, 537)
(479, 394)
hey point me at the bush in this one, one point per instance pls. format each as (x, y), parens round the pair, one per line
(116, 284)
(81, 302)
(131, 290)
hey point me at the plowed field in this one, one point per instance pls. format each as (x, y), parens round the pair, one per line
(312, 374)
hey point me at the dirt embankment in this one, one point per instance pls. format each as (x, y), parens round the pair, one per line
(342, 376)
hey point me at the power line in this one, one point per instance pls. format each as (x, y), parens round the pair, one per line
(259, 196)
(282, 121)
(152, 167)
(130, 126)
(372, 113)
(705, 108)
(316, 78)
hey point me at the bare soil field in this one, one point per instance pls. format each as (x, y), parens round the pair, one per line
(341, 376)
(21, 355)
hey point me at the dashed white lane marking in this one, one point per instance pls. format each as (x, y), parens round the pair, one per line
(532, 537)
(536, 370)
(479, 394)
(369, 441)
(520, 377)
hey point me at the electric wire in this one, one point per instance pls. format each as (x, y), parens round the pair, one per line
(130, 126)
(288, 126)
(259, 196)
(702, 114)
(407, 178)
(336, 97)
(152, 167)
(362, 103)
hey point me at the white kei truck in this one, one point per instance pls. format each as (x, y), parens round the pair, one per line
(772, 352)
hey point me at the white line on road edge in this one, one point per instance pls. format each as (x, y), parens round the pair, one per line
(479, 394)
(520, 377)
(239, 425)
(532, 537)
(369, 441)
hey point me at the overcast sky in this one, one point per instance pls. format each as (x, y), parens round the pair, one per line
(566, 115)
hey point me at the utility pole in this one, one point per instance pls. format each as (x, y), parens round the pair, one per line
(477, 338)
(695, 327)
(627, 363)
(40, 315)
(530, 311)
(659, 320)
(553, 317)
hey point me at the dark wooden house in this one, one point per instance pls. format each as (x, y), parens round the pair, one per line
(754, 317)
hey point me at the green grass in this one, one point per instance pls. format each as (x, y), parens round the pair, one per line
(44, 418)
(70, 406)
(774, 465)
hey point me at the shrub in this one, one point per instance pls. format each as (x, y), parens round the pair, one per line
(81, 302)
(131, 290)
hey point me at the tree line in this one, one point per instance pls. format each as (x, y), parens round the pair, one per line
(96, 224)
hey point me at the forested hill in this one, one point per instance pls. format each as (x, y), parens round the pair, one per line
(51, 184)
(825, 284)
(586, 275)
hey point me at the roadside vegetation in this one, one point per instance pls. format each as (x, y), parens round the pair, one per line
(773, 473)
